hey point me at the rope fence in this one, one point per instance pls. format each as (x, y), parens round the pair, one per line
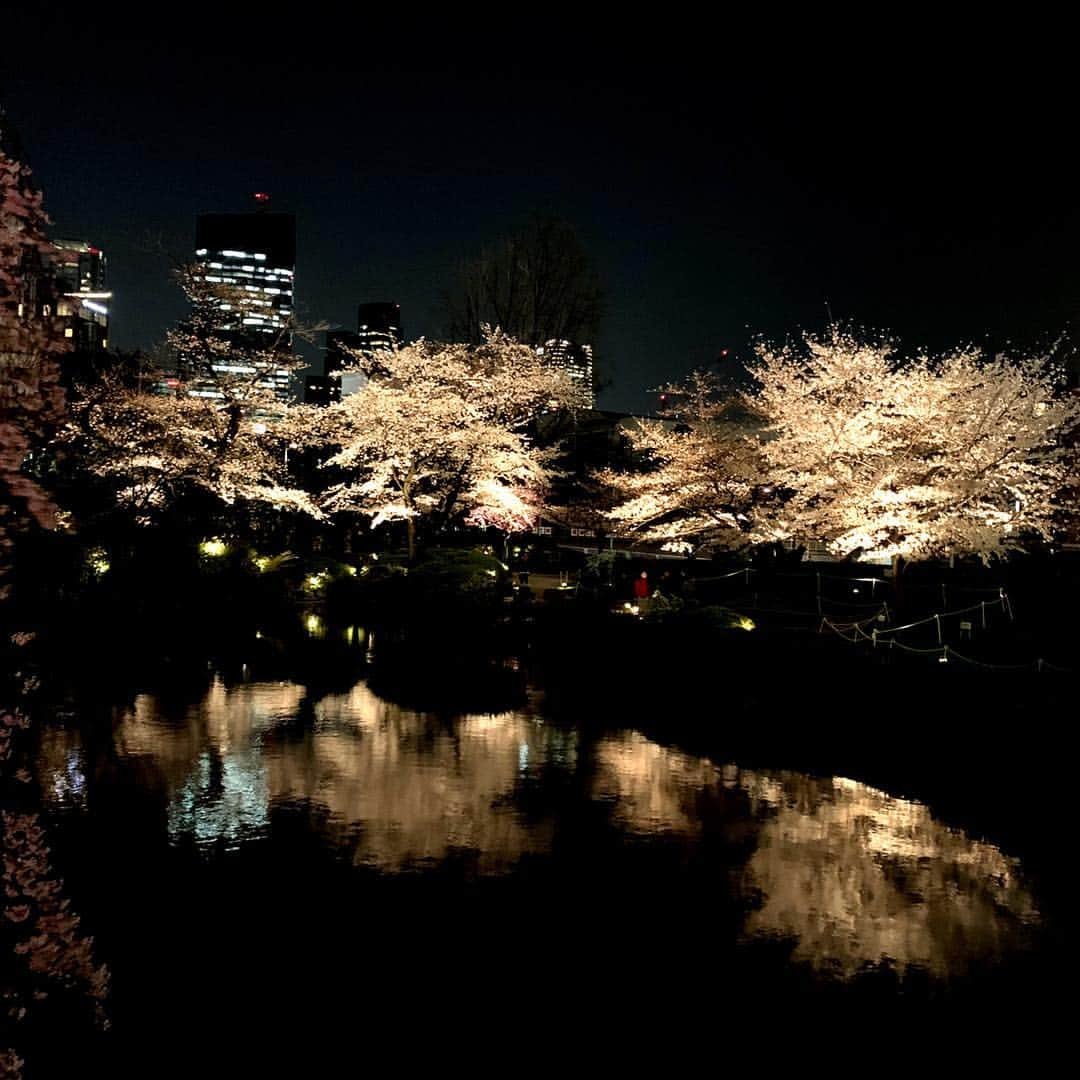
(870, 630)
(855, 633)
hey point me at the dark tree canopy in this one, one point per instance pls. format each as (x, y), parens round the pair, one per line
(536, 285)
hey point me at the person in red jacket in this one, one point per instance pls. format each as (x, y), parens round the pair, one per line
(641, 587)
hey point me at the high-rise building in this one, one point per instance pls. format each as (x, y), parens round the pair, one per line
(342, 347)
(577, 362)
(82, 294)
(379, 327)
(378, 331)
(253, 257)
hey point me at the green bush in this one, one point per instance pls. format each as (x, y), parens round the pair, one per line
(445, 583)
(675, 612)
(457, 578)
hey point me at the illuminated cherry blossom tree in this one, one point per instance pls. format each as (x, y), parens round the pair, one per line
(698, 475)
(31, 400)
(222, 430)
(44, 953)
(874, 455)
(152, 449)
(439, 433)
(871, 454)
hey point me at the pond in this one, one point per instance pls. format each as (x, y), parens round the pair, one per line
(257, 855)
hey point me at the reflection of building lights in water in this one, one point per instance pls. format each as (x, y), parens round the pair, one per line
(230, 807)
(214, 761)
(419, 791)
(847, 874)
(69, 785)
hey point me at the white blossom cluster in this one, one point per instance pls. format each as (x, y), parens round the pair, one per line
(868, 453)
(439, 432)
(700, 469)
(155, 448)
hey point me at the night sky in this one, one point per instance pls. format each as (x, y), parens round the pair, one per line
(729, 181)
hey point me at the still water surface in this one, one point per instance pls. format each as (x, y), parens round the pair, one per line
(264, 837)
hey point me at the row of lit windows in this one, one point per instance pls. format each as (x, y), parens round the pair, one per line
(257, 273)
(70, 333)
(243, 281)
(257, 256)
(234, 254)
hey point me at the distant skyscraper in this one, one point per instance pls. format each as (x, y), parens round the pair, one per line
(341, 349)
(82, 294)
(378, 331)
(577, 362)
(254, 255)
(379, 327)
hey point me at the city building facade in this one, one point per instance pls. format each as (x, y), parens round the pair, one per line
(577, 362)
(379, 327)
(83, 299)
(378, 331)
(251, 257)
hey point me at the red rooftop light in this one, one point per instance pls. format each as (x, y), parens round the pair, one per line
(261, 196)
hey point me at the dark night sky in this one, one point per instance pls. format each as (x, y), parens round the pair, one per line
(728, 181)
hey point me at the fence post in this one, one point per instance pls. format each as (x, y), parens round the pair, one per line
(940, 639)
(982, 607)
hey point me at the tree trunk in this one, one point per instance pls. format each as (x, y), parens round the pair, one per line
(410, 524)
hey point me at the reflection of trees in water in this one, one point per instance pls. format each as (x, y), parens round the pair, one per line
(400, 787)
(655, 788)
(212, 758)
(856, 876)
(62, 749)
(849, 874)
(419, 788)
(852, 875)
